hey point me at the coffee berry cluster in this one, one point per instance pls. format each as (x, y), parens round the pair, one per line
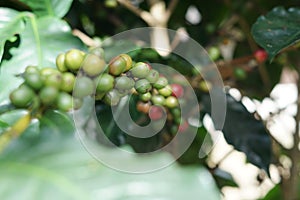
(79, 74)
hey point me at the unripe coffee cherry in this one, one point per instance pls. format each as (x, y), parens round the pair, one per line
(117, 65)
(140, 70)
(153, 76)
(105, 83)
(142, 86)
(74, 59)
(160, 83)
(145, 97)
(98, 52)
(214, 53)
(112, 98)
(124, 83)
(46, 71)
(22, 96)
(128, 60)
(171, 102)
(34, 80)
(68, 80)
(165, 91)
(60, 63)
(64, 102)
(158, 100)
(77, 103)
(83, 87)
(31, 69)
(92, 65)
(54, 80)
(48, 95)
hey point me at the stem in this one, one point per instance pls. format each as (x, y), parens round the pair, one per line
(144, 15)
(261, 67)
(14, 131)
(290, 184)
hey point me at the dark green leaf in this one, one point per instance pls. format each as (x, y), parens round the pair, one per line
(274, 194)
(277, 30)
(41, 41)
(60, 168)
(245, 133)
(11, 23)
(49, 7)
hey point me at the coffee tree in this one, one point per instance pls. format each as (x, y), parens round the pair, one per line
(60, 57)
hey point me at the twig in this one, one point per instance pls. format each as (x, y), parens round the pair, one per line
(144, 15)
(171, 8)
(84, 38)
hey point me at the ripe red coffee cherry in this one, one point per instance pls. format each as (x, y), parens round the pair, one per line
(156, 112)
(261, 55)
(177, 90)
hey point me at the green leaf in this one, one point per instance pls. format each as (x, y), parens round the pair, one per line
(247, 134)
(60, 168)
(277, 30)
(10, 117)
(41, 8)
(40, 42)
(11, 23)
(55, 122)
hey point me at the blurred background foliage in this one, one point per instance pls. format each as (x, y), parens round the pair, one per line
(37, 161)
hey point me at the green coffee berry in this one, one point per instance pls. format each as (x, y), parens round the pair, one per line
(31, 69)
(112, 97)
(124, 83)
(83, 87)
(64, 102)
(117, 66)
(45, 72)
(158, 100)
(60, 63)
(77, 103)
(54, 80)
(128, 60)
(34, 80)
(98, 52)
(160, 83)
(165, 91)
(142, 86)
(140, 70)
(68, 80)
(105, 83)
(93, 65)
(48, 95)
(153, 76)
(145, 97)
(171, 102)
(74, 59)
(22, 96)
